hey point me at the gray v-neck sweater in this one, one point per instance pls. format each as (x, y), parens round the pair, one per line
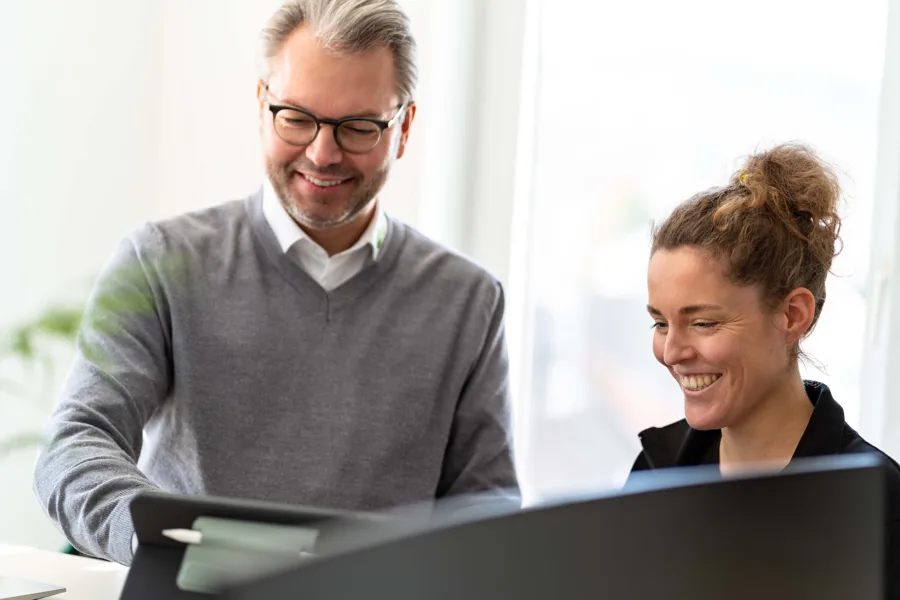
(249, 380)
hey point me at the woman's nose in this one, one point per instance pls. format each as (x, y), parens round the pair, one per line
(677, 349)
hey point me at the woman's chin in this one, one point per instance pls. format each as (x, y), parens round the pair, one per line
(703, 419)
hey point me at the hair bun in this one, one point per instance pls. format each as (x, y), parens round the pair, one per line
(775, 226)
(798, 188)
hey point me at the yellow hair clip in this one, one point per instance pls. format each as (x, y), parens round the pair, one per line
(744, 177)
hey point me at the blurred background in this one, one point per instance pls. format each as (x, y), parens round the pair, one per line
(550, 135)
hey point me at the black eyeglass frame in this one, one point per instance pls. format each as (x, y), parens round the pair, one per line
(335, 124)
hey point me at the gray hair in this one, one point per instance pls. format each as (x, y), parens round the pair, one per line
(349, 26)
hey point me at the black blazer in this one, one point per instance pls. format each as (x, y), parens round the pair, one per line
(827, 433)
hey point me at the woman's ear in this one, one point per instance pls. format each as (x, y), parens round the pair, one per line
(796, 315)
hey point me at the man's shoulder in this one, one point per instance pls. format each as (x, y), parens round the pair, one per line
(195, 229)
(438, 260)
(213, 221)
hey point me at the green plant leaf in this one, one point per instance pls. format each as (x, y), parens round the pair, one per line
(56, 322)
(129, 295)
(25, 344)
(59, 322)
(22, 343)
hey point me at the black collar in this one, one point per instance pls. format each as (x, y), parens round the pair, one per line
(679, 445)
(825, 432)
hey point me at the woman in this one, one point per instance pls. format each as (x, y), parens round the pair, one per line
(736, 280)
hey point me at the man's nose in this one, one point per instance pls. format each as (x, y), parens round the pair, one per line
(324, 150)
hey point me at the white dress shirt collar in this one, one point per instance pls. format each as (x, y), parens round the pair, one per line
(288, 233)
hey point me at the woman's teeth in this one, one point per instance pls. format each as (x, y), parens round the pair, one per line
(697, 382)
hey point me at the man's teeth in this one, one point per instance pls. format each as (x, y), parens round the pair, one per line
(698, 382)
(321, 183)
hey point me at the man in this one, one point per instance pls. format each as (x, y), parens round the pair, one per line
(297, 346)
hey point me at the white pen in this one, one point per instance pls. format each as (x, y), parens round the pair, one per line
(192, 537)
(185, 536)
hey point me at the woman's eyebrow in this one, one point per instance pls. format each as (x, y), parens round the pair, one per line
(685, 310)
(695, 308)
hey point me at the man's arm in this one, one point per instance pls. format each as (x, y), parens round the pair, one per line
(87, 474)
(479, 456)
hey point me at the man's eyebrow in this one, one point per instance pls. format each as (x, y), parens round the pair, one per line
(685, 310)
(369, 114)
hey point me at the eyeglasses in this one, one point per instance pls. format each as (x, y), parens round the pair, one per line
(355, 135)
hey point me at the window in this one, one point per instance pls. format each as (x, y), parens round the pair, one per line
(640, 105)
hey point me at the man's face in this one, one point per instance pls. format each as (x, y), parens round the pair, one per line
(322, 186)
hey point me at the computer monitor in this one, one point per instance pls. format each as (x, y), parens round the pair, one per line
(814, 530)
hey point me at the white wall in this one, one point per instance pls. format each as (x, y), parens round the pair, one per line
(76, 170)
(207, 150)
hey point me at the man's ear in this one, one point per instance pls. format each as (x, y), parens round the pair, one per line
(261, 91)
(408, 116)
(796, 315)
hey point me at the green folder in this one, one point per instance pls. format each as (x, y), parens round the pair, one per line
(232, 552)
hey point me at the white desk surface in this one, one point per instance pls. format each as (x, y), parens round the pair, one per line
(83, 578)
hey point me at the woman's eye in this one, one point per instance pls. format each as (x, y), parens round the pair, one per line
(658, 325)
(705, 325)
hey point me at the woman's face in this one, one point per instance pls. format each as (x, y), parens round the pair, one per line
(715, 338)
